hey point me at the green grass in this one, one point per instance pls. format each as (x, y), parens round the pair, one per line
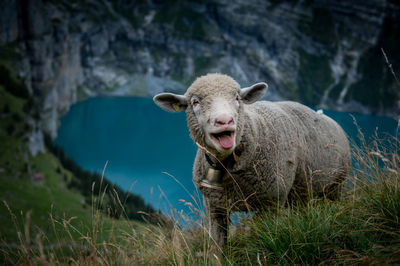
(40, 197)
(363, 227)
(43, 213)
(313, 234)
(23, 195)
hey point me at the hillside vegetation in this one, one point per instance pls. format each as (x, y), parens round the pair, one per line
(40, 193)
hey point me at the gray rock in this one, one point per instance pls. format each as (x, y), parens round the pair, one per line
(35, 142)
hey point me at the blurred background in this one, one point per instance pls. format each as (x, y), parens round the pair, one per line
(77, 77)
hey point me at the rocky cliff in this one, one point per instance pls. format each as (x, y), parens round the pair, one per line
(322, 53)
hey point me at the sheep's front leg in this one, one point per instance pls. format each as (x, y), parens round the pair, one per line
(210, 183)
(218, 224)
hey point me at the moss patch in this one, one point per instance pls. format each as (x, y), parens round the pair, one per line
(184, 21)
(321, 28)
(314, 77)
(203, 64)
(377, 87)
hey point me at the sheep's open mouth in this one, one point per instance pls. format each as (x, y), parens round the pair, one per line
(225, 139)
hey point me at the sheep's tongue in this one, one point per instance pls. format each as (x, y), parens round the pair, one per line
(226, 141)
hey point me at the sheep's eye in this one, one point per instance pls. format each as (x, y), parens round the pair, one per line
(195, 102)
(237, 97)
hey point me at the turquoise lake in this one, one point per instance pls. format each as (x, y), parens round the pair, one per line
(145, 146)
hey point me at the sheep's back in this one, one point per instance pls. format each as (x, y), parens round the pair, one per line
(322, 152)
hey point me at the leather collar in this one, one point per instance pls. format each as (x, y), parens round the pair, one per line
(229, 162)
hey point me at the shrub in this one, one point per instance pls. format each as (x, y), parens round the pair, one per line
(6, 109)
(11, 83)
(10, 129)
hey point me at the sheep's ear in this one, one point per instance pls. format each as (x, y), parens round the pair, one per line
(171, 102)
(253, 93)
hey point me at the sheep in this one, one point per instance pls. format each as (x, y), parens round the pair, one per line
(256, 153)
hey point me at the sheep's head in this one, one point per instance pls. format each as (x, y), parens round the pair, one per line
(213, 105)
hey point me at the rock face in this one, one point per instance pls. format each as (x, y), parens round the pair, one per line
(322, 53)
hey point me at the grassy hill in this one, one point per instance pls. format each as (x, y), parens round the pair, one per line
(38, 210)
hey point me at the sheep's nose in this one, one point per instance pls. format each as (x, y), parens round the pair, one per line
(223, 121)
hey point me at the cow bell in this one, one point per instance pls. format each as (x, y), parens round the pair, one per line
(213, 179)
